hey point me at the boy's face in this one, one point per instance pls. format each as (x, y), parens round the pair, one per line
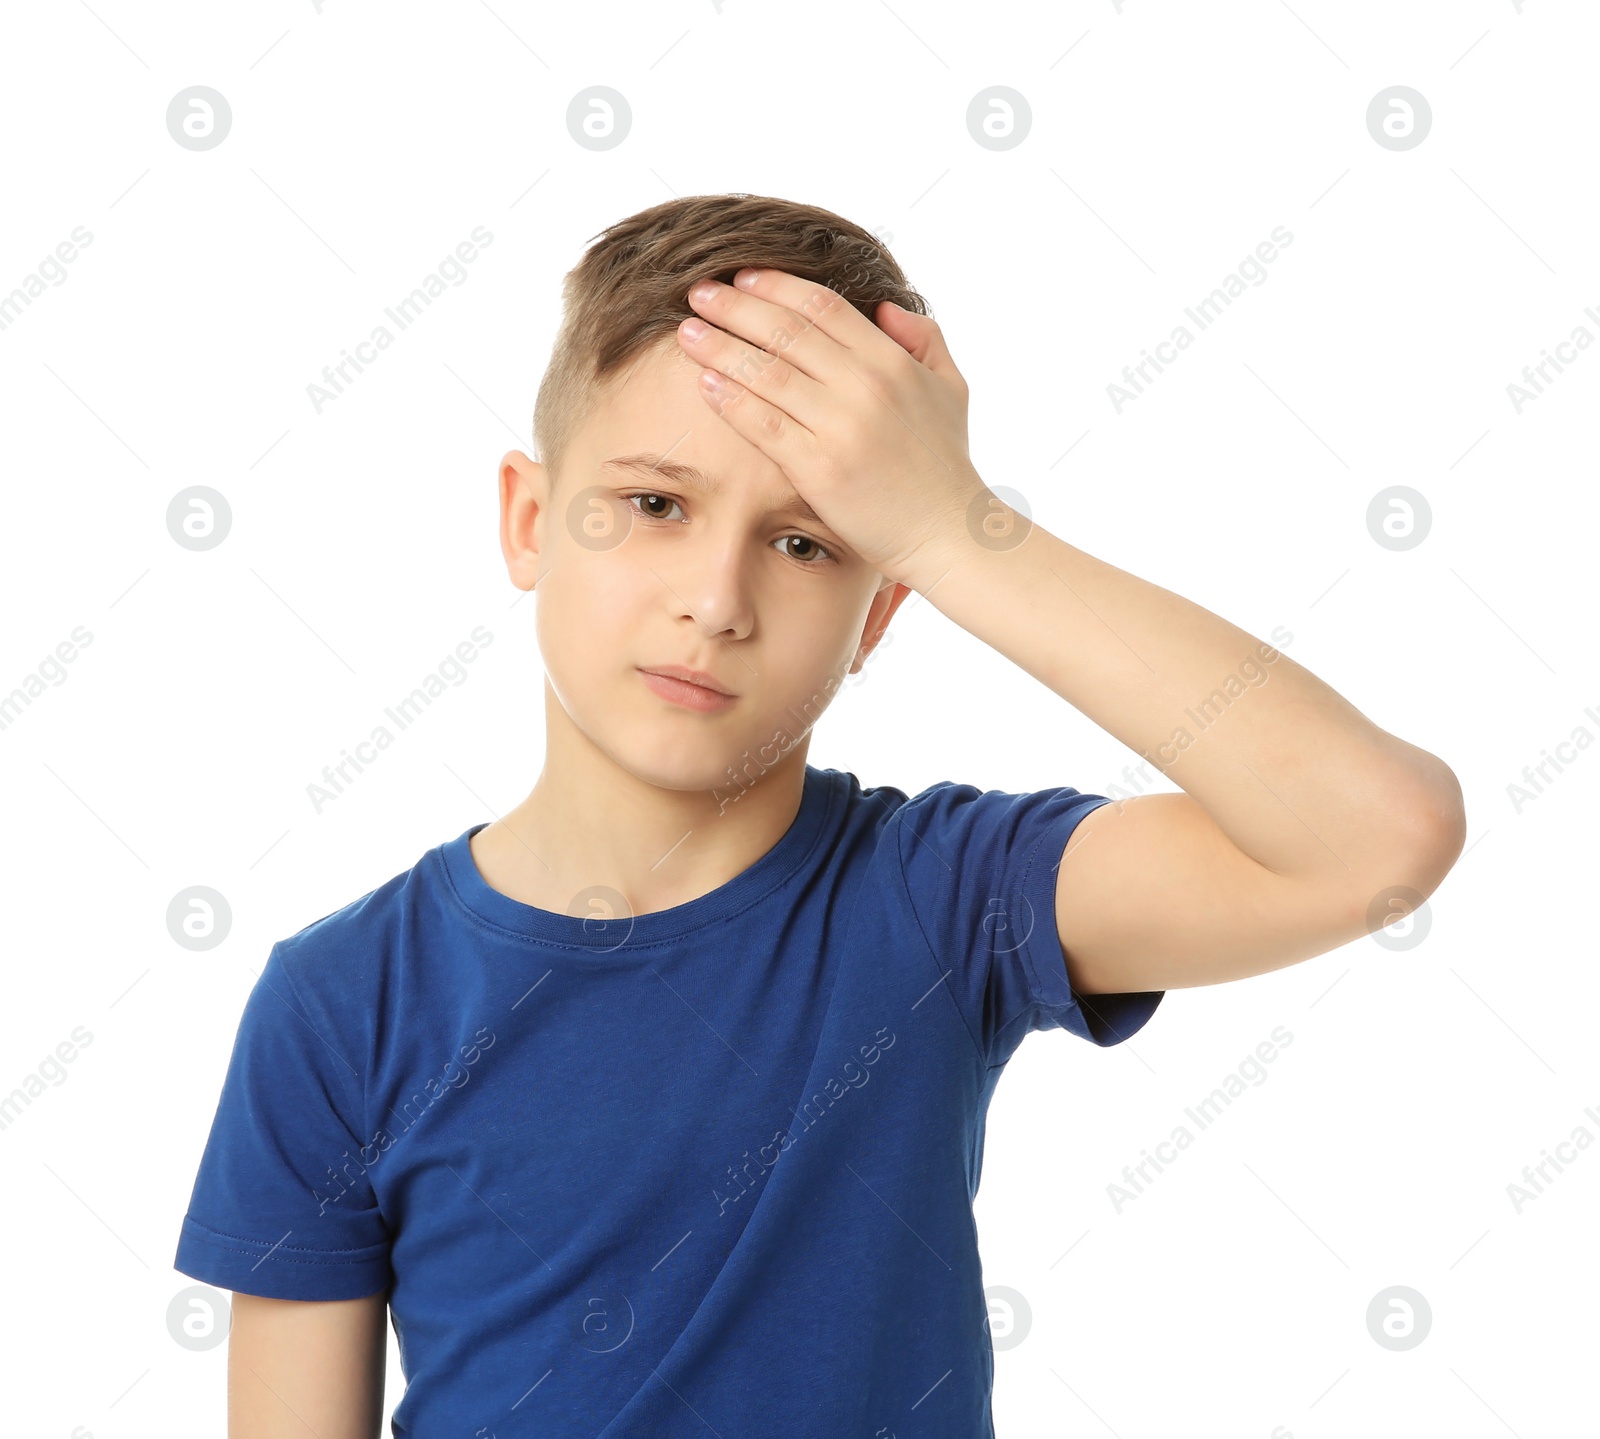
(637, 568)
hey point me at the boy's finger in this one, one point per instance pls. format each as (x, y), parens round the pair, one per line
(765, 322)
(920, 337)
(780, 437)
(771, 376)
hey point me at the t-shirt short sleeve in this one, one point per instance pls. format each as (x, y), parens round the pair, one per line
(980, 872)
(281, 1206)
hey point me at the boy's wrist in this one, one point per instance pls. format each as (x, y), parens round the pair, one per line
(984, 524)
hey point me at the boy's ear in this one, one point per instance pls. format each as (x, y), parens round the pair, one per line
(879, 613)
(524, 500)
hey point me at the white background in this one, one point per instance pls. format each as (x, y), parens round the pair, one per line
(1166, 142)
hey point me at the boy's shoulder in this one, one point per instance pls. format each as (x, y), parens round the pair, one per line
(961, 810)
(346, 948)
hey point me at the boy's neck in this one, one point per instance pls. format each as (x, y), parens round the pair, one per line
(654, 848)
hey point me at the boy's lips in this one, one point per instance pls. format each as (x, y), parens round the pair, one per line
(692, 677)
(689, 694)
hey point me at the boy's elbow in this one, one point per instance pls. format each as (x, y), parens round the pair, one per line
(1436, 824)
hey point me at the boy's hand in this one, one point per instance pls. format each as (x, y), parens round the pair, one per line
(868, 421)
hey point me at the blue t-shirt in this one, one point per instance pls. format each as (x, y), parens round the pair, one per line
(703, 1170)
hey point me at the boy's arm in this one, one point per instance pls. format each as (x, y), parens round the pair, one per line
(1301, 819)
(299, 1367)
(1303, 825)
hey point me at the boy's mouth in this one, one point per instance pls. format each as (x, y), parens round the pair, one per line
(690, 677)
(673, 682)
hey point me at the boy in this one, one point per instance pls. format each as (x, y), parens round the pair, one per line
(656, 1107)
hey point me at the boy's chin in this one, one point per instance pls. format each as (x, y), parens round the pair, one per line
(716, 760)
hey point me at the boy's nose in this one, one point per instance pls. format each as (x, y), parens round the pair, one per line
(713, 589)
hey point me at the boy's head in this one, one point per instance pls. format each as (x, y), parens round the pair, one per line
(638, 567)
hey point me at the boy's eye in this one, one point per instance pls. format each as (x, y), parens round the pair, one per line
(650, 499)
(805, 540)
(651, 514)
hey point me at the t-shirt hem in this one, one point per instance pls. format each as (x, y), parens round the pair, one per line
(248, 1266)
(1103, 1019)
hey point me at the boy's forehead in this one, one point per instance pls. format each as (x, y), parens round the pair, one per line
(646, 466)
(653, 424)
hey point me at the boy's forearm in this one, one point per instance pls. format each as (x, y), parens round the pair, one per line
(1293, 773)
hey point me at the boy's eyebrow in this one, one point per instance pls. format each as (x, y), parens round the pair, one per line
(675, 472)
